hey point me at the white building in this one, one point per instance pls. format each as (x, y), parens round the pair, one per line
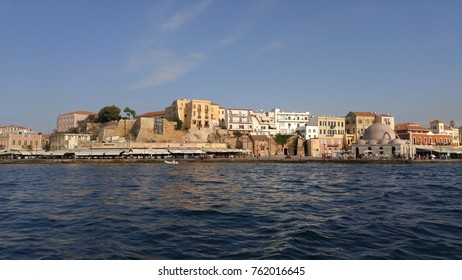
(308, 131)
(287, 122)
(263, 124)
(238, 120)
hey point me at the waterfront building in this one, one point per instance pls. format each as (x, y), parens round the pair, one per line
(439, 128)
(380, 141)
(68, 141)
(357, 122)
(308, 131)
(13, 137)
(201, 113)
(70, 120)
(194, 113)
(262, 145)
(438, 139)
(263, 123)
(422, 136)
(331, 135)
(176, 110)
(287, 122)
(238, 120)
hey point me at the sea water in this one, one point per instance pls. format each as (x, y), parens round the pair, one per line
(231, 211)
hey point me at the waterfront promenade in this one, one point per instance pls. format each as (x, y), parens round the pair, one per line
(273, 159)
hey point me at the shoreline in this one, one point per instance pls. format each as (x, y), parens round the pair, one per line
(226, 160)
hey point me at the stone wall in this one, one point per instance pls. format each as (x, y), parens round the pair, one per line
(122, 128)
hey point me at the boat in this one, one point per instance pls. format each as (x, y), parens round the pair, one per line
(171, 162)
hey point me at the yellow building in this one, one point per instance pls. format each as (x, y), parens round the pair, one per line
(176, 110)
(331, 133)
(201, 113)
(195, 113)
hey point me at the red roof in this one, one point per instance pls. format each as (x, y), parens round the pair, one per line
(410, 127)
(152, 114)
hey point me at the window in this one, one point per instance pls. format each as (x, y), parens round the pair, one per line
(19, 142)
(425, 140)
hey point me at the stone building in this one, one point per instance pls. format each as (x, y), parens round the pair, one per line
(380, 141)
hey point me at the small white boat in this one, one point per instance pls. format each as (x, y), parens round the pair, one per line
(171, 162)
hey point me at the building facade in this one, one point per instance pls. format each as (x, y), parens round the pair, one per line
(176, 110)
(70, 120)
(68, 141)
(239, 120)
(356, 123)
(13, 137)
(263, 124)
(201, 113)
(422, 136)
(287, 122)
(194, 113)
(331, 134)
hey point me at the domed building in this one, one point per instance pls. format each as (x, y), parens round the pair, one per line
(380, 141)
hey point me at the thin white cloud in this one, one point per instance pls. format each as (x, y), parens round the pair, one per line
(176, 21)
(272, 47)
(163, 68)
(231, 39)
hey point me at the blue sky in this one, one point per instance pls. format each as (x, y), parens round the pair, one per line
(327, 57)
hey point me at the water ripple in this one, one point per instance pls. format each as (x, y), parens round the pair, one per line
(231, 211)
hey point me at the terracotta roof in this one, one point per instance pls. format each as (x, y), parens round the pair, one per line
(152, 114)
(436, 121)
(363, 114)
(410, 127)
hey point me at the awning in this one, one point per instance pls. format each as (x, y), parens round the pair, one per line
(188, 152)
(148, 152)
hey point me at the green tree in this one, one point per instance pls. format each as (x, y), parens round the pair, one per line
(452, 124)
(237, 134)
(179, 123)
(131, 114)
(109, 113)
(281, 140)
(92, 119)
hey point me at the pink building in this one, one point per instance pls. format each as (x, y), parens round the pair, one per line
(13, 137)
(70, 120)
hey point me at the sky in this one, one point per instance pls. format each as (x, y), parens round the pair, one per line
(326, 57)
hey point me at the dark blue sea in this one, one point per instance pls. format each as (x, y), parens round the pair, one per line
(231, 211)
